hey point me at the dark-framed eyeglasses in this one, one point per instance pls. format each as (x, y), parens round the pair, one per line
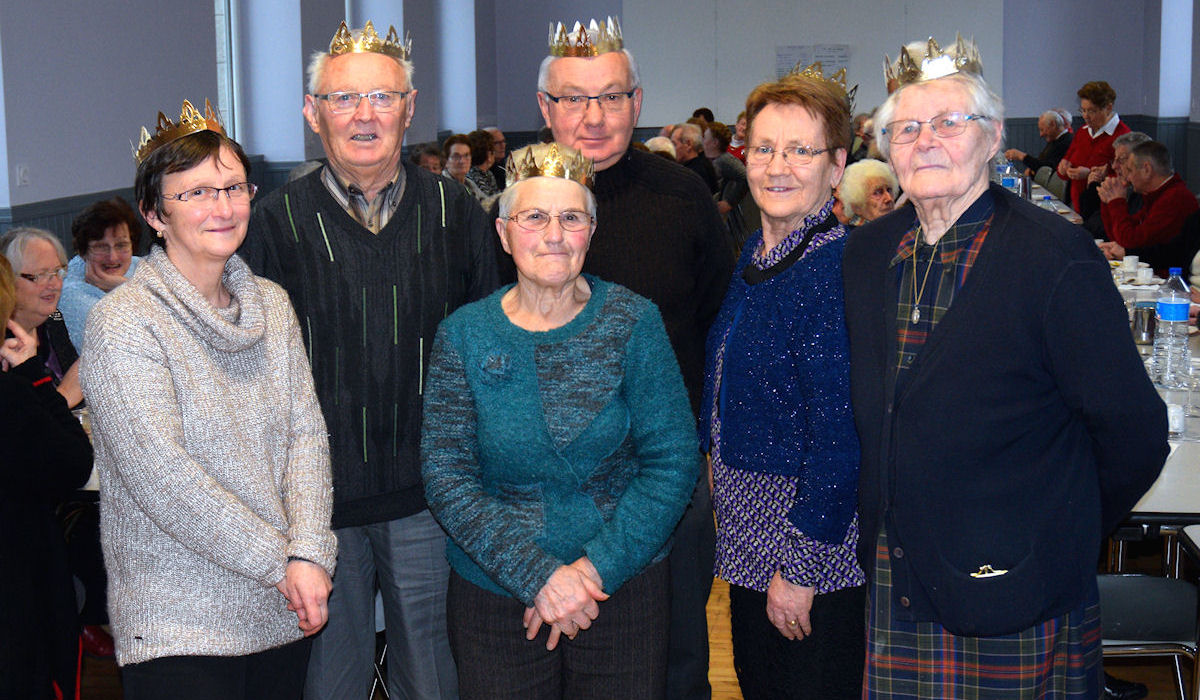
(571, 220)
(792, 155)
(946, 125)
(609, 101)
(237, 192)
(347, 100)
(44, 277)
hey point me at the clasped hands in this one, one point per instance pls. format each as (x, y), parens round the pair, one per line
(567, 603)
(306, 587)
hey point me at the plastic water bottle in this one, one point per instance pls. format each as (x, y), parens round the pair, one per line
(1172, 357)
(1047, 203)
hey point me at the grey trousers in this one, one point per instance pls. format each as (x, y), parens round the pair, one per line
(408, 556)
(623, 655)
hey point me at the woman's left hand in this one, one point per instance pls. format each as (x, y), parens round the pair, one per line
(306, 586)
(788, 607)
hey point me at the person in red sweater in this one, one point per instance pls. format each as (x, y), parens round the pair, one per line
(1092, 145)
(1152, 231)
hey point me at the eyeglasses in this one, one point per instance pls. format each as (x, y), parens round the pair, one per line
(105, 249)
(609, 101)
(537, 220)
(238, 192)
(792, 155)
(348, 101)
(43, 277)
(945, 125)
(459, 156)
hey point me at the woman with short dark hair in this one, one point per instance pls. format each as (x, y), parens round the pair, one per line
(105, 236)
(1092, 146)
(211, 448)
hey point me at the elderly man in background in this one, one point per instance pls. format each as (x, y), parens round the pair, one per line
(688, 140)
(659, 234)
(499, 154)
(1058, 140)
(1006, 428)
(374, 253)
(1152, 232)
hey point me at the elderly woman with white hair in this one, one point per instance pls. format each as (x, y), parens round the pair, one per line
(558, 452)
(1006, 421)
(868, 191)
(39, 262)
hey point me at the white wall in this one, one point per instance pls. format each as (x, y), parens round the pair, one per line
(80, 80)
(1052, 48)
(729, 47)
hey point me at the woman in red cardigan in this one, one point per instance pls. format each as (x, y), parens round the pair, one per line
(1092, 146)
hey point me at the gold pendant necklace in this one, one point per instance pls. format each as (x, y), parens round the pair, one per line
(917, 296)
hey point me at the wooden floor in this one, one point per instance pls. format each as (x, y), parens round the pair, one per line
(101, 681)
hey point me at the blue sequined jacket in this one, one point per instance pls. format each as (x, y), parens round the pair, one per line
(785, 394)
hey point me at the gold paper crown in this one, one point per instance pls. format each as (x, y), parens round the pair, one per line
(593, 40)
(963, 58)
(190, 122)
(837, 81)
(549, 160)
(368, 41)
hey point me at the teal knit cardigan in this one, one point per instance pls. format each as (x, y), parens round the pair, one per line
(541, 447)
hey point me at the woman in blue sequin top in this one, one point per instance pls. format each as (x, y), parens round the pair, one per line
(776, 416)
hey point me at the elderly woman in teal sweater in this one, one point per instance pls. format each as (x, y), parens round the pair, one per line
(558, 453)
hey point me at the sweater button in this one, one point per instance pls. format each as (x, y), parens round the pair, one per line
(898, 553)
(904, 602)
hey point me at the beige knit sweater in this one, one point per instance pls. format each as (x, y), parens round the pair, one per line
(213, 462)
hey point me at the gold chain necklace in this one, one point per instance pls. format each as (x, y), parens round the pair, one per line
(917, 296)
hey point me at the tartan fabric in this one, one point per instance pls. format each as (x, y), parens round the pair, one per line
(1056, 659)
(940, 269)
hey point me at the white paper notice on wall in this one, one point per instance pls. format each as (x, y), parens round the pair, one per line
(832, 57)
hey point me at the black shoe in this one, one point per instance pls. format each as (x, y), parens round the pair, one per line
(1117, 689)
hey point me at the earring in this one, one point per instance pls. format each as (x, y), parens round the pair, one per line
(158, 232)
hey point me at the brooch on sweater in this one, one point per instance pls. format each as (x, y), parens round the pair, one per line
(495, 367)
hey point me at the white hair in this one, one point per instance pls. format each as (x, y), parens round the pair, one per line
(691, 135)
(980, 100)
(853, 189)
(14, 242)
(661, 143)
(319, 59)
(509, 195)
(543, 77)
(1054, 118)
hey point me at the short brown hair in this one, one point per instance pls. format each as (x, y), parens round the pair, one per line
(181, 154)
(816, 96)
(8, 290)
(721, 133)
(92, 222)
(1098, 93)
(453, 139)
(481, 143)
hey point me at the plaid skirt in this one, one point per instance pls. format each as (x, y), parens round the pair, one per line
(1058, 658)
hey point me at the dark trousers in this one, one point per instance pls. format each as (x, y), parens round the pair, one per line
(274, 674)
(691, 581)
(826, 665)
(622, 655)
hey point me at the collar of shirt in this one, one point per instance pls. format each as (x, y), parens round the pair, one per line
(955, 240)
(373, 215)
(1109, 126)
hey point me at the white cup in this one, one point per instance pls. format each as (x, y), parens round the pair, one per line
(1129, 263)
(1144, 275)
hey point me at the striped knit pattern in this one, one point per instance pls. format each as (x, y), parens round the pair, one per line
(369, 305)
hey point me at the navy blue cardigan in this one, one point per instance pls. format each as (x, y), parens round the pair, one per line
(1026, 432)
